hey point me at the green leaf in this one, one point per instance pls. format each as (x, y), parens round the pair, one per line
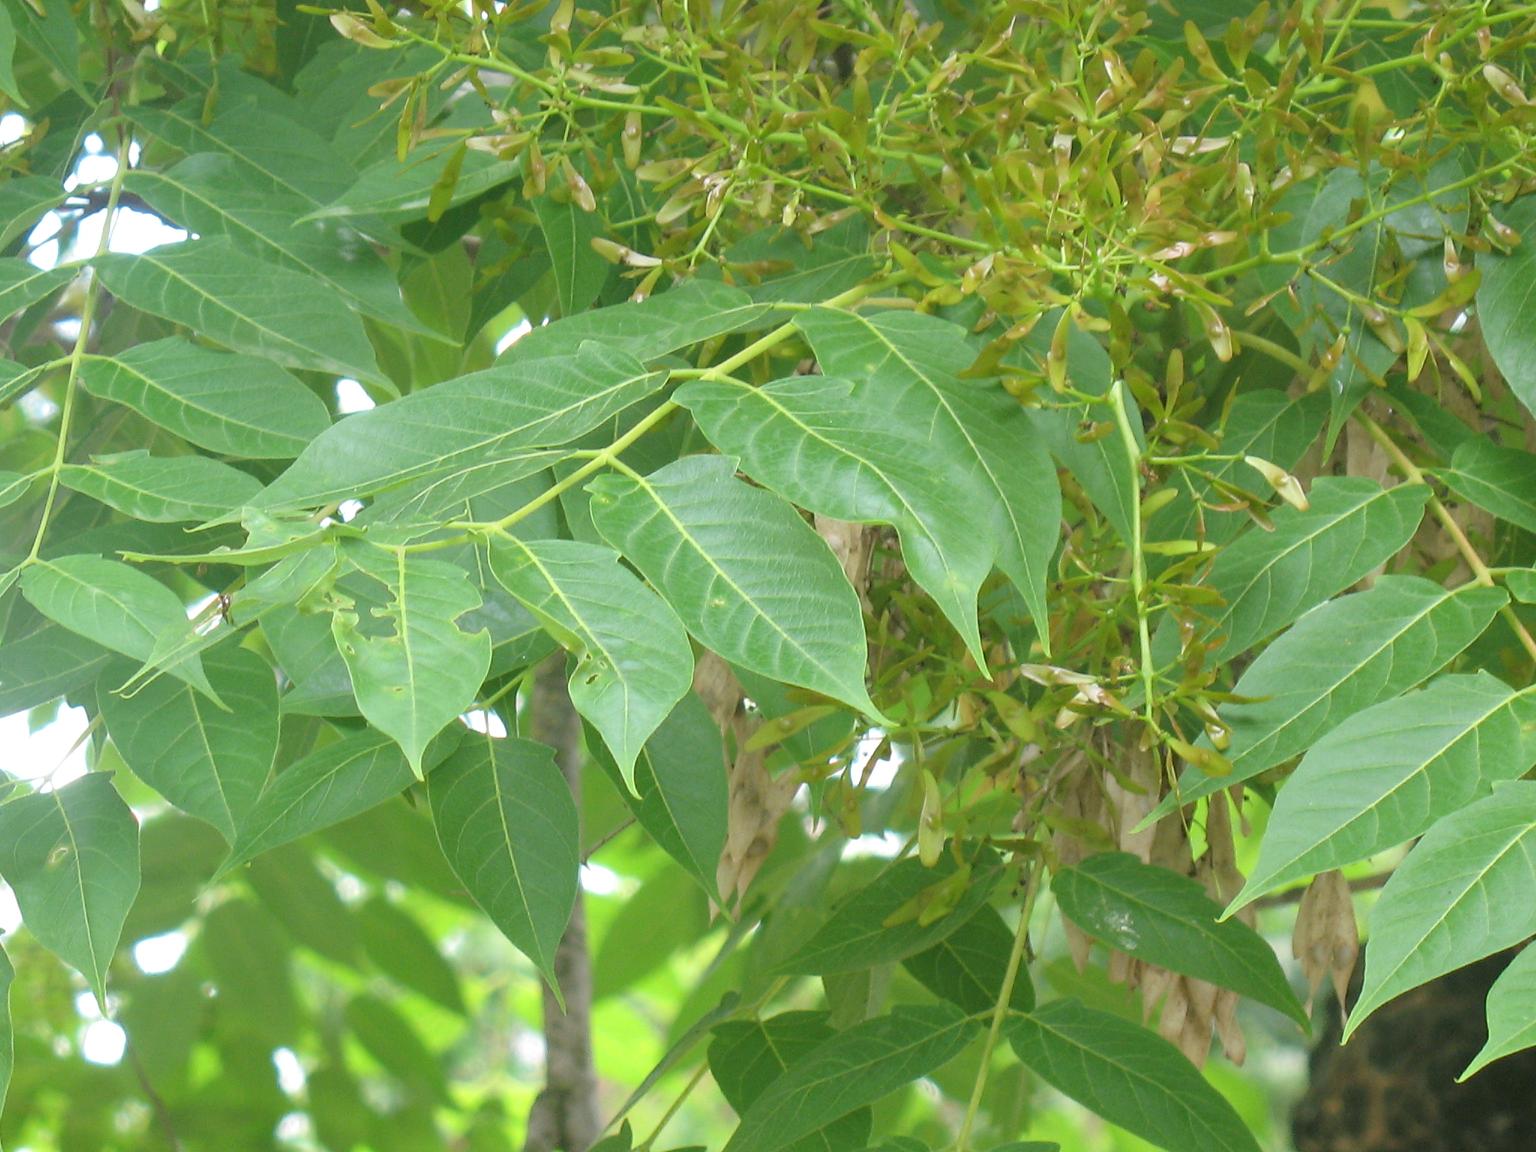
(747, 1056)
(1511, 1013)
(72, 858)
(580, 273)
(246, 304)
(747, 575)
(1268, 579)
(853, 1069)
(206, 194)
(23, 200)
(633, 661)
(23, 284)
(327, 786)
(8, 86)
(7, 1031)
(162, 489)
(229, 404)
(1497, 480)
(1521, 583)
(1000, 469)
(269, 151)
(1389, 773)
(413, 669)
(680, 796)
(1166, 919)
(117, 606)
(648, 329)
(1340, 657)
(210, 762)
(388, 1037)
(507, 824)
(1461, 894)
(874, 925)
(1129, 1076)
(836, 448)
(1506, 304)
(967, 967)
(304, 899)
(403, 190)
(464, 423)
(403, 951)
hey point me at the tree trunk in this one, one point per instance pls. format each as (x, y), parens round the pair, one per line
(564, 1116)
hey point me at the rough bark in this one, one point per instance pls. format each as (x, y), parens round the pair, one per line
(564, 1115)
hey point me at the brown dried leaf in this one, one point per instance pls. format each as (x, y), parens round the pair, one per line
(1326, 939)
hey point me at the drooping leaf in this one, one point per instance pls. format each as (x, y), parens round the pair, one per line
(648, 329)
(115, 605)
(72, 858)
(327, 786)
(1511, 1013)
(747, 1056)
(246, 304)
(1001, 469)
(1268, 579)
(837, 448)
(413, 669)
(853, 1069)
(633, 660)
(208, 195)
(388, 1037)
(680, 796)
(747, 575)
(230, 404)
(1340, 657)
(1460, 895)
(1496, 479)
(507, 824)
(1166, 919)
(304, 900)
(1505, 303)
(580, 273)
(475, 419)
(884, 922)
(210, 762)
(1129, 1076)
(162, 489)
(1387, 774)
(968, 966)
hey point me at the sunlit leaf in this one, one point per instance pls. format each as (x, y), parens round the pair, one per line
(414, 670)
(747, 575)
(1387, 774)
(162, 489)
(1460, 895)
(633, 661)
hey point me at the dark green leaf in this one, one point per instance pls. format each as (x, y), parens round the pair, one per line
(1166, 919)
(72, 858)
(210, 762)
(580, 273)
(507, 824)
(1129, 1076)
(853, 1069)
(967, 967)
(860, 931)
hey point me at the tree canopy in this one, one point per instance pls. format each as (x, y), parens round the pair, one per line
(756, 575)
